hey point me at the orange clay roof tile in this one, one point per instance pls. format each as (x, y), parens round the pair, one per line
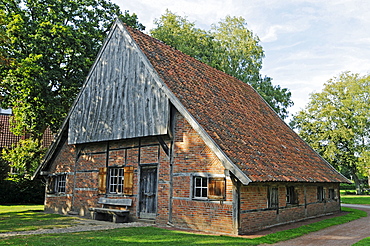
(237, 118)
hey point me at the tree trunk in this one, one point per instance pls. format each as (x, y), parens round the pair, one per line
(359, 190)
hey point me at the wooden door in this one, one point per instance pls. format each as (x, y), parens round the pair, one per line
(148, 192)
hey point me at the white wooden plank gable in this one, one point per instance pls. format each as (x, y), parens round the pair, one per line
(120, 98)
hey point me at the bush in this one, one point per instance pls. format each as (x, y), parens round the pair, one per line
(22, 192)
(347, 186)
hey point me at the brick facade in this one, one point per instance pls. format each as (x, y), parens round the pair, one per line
(256, 215)
(174, 199)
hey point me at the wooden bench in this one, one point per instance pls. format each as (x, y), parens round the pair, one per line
(114, 215)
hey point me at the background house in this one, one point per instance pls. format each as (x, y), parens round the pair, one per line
(7, 138)
(170, 139)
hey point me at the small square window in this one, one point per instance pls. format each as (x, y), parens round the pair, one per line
(200, 187)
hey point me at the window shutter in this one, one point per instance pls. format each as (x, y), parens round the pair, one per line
(128, 183)
(216, 188)
(102, 180)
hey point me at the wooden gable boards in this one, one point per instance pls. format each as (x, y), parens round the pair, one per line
(121, 98)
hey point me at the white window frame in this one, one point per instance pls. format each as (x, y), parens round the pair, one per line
(209, 187)
(201, 185)
(115, 180)
(60, 183)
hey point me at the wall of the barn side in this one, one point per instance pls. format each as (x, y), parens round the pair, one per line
(192, 157)
(255, 213)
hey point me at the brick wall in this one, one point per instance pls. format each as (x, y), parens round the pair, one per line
(256, 215)
(193, 156)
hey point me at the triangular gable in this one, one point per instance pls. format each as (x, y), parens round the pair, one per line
(120, 98)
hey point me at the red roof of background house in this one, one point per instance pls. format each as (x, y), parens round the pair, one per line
(7, 138)
(237, 118)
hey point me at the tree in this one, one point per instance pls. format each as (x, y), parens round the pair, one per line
(336, 124)
(230, 47)
(48, 47)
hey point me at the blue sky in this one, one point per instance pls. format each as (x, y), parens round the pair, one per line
(306, 43)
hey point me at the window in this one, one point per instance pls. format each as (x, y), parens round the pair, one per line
(57, 184)
(273, 197)
(60, 184)
(332, 195)
(209, 188)
(291, 195)
(200, 187)
(320, 194)
(115, 184)
(118, 180)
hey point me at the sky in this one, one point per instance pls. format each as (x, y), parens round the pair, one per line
(306, 43)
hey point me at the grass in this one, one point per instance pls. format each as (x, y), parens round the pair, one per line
(152, 235)
(355, 199)
(30, 217)
(363, 242)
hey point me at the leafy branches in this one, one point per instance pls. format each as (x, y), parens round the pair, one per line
(47, 49)
(336, 123)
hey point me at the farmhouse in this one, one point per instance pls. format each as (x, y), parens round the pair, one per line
(157, 135)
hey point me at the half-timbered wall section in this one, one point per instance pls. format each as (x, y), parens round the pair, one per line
(121, 98)
(256, 211)
(92, 171)
(170, 197)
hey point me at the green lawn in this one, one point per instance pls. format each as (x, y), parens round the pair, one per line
(355, 199)
(30, 217)
(32, 220)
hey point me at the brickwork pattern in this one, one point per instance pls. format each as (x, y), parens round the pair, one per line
(255, 214)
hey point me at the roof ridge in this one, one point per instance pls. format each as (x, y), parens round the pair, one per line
(131, 29)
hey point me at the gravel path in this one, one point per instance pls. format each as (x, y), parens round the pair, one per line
(339, 235)
(82, 225)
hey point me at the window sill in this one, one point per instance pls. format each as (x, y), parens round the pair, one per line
(207, 199)
(292, 205)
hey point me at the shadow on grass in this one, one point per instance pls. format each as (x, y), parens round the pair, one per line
(32, 220)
